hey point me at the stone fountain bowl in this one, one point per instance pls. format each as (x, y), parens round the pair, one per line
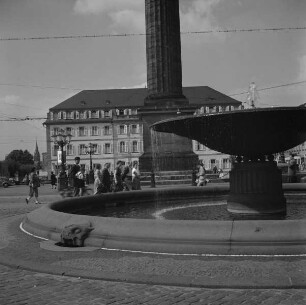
(249, 132)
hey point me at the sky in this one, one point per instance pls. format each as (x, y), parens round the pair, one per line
(36, 75)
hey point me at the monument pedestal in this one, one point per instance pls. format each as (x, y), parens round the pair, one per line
(165, 151)
(256, 188)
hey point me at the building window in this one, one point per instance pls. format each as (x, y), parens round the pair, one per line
(55, 131)
(69, 150)
(106, 130)
(82, 149)
(213, 163)
(94, 149)
(82, 131)
(122, 129)
(94, 130)
(107, 148)
(134, 111)
(70, 115)
(135, 146)
(54, 150)
(94, 114)
(121, 112)
(83, 115)
(225, 163)
(122, 147)
(69, 130)
(134, 128)
(107, 114)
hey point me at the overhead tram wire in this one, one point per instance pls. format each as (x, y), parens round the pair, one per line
(8, 119)
(80, 89)
(22, 119)
(272, 87)
(275, 29)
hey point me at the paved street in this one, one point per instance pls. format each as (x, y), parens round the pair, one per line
(24, 264)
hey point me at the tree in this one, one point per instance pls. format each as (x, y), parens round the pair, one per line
(18, 160)
(20, 156)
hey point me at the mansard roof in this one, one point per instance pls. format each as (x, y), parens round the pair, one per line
(134, 98)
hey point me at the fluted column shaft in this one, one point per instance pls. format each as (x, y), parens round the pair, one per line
(163, 49)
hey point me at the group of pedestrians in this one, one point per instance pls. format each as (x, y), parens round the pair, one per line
(126, 177)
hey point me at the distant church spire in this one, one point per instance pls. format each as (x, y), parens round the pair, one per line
(36, 157)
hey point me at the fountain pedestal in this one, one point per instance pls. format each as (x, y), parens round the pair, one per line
(256, 188)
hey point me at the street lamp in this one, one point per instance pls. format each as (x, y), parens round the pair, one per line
(61, 138)
(90, 149)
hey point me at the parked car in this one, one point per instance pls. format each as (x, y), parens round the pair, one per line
(14, 182)
(5, 182)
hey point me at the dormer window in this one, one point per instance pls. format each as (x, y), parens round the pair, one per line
(134, 111)
(83, 115)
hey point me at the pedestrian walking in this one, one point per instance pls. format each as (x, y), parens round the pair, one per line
(98, 179)
(127, 177)
(34, 184)
(81, 178)
(136, 177)
(106, 179)
(118, 185)
(73, 179)
(53, 180)
(292, 170)
(201, 175)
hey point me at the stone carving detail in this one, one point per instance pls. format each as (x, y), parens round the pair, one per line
(74, 235)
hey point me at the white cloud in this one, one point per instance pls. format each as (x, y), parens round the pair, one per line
(106, 6)
(10, 99)
(128, 19)
(198, 15)
(126, 14)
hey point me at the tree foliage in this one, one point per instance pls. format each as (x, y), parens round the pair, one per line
(20, 156)
(19, 161)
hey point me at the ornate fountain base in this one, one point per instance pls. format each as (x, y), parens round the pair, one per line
(256, 188)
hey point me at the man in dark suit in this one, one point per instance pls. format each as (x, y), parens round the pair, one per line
(73, 180)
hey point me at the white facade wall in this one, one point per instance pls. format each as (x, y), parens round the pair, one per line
(211, 158)
(113, 139)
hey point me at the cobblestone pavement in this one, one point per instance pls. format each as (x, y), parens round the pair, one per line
(25, 287)
(18, 286)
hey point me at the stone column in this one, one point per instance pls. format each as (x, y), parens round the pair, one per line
(163, 47)
(165, 98)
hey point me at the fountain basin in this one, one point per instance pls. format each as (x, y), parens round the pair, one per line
(249, 132)
(169, 236)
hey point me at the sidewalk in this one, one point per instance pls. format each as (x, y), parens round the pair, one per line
(36, 272)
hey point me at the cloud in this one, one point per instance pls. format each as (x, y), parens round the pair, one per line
(124, 14)
(133, 20)
(105, 6)
(198, 15)
(10, 99)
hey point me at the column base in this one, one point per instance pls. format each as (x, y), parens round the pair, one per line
(256, 189)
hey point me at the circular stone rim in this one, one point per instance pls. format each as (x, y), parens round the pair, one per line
(170, 236)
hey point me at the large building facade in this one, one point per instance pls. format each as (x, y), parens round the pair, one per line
(110, 123)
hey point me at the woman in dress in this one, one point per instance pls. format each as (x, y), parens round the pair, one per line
(98, 179)
(135, 177)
